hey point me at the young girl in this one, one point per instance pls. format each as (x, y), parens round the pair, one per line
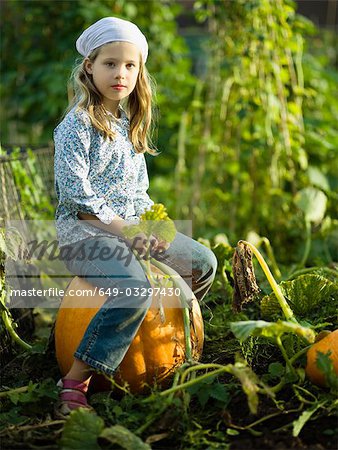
(101, 182)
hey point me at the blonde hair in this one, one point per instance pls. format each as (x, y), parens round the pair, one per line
(139, 109)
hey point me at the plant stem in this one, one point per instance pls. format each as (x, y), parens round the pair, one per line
(287, 311)
(192, 382)
(176, 279)
(287, 360)
(271, 257)
(177, 376)
(307, 244)
(277, 387)
(14, 391)
(8, 322)
(185, 296)
(48, 423)
(199, 367)
(300, 353)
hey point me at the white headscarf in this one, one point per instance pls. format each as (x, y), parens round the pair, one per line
(111, 29)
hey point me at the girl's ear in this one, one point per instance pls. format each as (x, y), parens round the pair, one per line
(88, 65)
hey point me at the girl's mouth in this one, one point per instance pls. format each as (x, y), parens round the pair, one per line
(119, 87)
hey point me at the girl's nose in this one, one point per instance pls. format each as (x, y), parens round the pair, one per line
(120, 72)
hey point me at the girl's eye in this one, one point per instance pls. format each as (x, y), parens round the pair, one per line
(131, 65)
(110, 64)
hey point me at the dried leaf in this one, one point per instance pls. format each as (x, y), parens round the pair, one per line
(245, 287)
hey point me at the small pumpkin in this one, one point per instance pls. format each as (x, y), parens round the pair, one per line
(328, 342)
(156, 351)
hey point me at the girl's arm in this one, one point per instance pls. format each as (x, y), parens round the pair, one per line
(114, 227)
(72, 165)
(139, 242)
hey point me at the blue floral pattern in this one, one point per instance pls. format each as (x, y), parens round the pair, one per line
(96, 176)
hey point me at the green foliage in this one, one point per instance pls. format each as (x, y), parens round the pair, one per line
(82, 430)
(34, 392)
(29, 183)
(312, 202)
(119, 435)
(245, 132)
(242, 330)
(35, 398)
(155, 222)
(305, 295)
(303, 418)
(209, 389)
(250, 384)
(276, 370)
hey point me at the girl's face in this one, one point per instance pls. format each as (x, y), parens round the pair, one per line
(115, 72)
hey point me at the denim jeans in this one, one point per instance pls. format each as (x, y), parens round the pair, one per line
(108, 262)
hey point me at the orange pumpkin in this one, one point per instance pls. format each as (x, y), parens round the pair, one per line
(156, 351)
(329, 342)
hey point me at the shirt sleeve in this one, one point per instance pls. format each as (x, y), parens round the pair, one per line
(71, 166)
(142, 200)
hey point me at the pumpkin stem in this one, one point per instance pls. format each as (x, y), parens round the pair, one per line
(185, 297)
(288, 313)
(153, 281)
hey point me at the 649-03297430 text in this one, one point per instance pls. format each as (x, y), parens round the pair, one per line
(128, 292)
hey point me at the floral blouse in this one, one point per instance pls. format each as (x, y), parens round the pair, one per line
(96, 176)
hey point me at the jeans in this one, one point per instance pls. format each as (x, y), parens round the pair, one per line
(108, 262)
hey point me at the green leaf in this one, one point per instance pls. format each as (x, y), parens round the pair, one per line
(164, 230)
(203, 396)
(250, 384)
(232, 432)
(299, 423)
(153, 222)
(312, 202)
(305, 294)
(317, 178)
(325, 365)
(207, 389)
(223, 252)
(242, 330)
(12, 417)
(276, 369)
(120, 435)
(81, 430)
(221, 393)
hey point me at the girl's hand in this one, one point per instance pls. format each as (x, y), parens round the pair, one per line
(162, 246)
(140, 244)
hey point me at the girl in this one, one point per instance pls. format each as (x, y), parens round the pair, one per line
(101, 182)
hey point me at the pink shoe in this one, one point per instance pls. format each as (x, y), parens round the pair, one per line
(71, 396)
